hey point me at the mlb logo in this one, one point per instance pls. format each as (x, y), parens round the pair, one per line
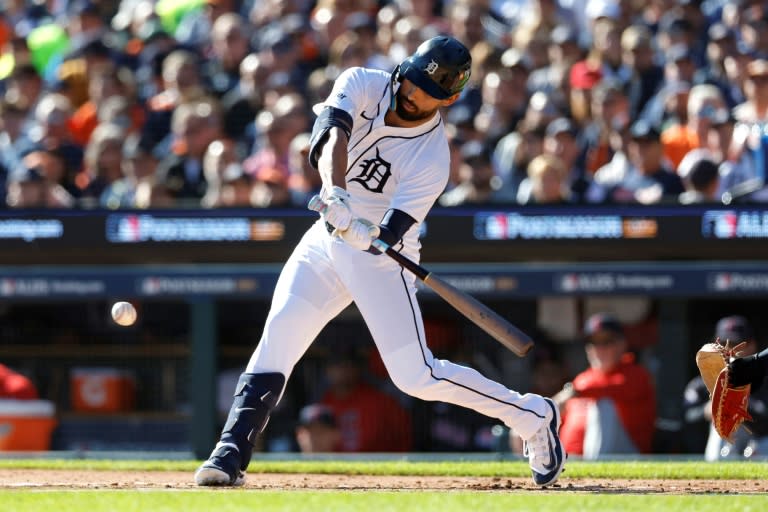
(150, 286)
(7, 287)
(722, 282)
(569, 283)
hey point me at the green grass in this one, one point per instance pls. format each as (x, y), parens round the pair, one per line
(575, 469)
(244, 499)
(460, 501)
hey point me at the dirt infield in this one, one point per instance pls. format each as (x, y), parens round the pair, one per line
(38, 479)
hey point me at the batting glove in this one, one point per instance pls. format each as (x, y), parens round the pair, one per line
(359, 234)
(337, 211)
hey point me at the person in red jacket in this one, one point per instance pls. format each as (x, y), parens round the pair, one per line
(15, 385)
(609, 408)
(369, 419)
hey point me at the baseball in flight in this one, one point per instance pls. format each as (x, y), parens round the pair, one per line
(123, 313)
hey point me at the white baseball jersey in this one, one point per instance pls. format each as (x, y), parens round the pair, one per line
(388, 167)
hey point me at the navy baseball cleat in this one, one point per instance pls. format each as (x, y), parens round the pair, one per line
(221, 468)
(545, 453)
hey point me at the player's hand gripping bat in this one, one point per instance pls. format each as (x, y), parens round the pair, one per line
(480, 314)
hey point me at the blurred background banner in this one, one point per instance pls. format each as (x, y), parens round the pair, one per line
(498, 234)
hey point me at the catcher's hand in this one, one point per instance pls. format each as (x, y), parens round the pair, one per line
(729, 404)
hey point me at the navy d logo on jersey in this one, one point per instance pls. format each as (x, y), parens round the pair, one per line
(374, 174)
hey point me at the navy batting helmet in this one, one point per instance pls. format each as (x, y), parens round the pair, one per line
(440, 66)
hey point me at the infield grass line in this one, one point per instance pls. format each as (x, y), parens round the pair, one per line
(574, 469)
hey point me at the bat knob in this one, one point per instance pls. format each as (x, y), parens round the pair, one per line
(316, 204)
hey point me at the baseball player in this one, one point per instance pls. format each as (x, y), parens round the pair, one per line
(380, 146)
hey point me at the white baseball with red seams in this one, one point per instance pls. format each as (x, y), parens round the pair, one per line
(123, 313)
(388, 167)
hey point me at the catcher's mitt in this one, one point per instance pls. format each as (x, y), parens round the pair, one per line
(729, 404)
(712, 358)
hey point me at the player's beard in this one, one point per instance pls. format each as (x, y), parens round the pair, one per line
(407, 115)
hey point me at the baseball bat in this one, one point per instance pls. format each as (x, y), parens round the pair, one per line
(474, 310)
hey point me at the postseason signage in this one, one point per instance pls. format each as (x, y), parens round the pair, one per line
(516, 225)
(652, 279)
(450, 235)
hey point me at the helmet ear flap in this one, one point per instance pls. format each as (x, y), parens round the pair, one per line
(396, 77)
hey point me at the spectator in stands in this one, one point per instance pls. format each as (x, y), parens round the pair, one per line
(304, 180)
(181, 83)
(562, 141)
(605, 53)
(364, 26)
(245, 100)
(705, 103)
(515, 150)
(702, 183)
(610, 113)
(609, 408)
(12, 115)
(277, 127)
(562, 52)
(121, 111)
(649, 180)
(197, 26)
(102, 164)
(104, 82)
(36, 182)
(26, 188)
(281, 47)
(317, 430)
(16, 386)
(582, 78)
(30, 187)
(369, 419)
(270, 189)
(504, 98)
(465, 19)
(647, 75)
(346, 51)
(548, 181)
(222, 170)
(195, 125)
(151, 193)
(138, 165)
(669, 104)
(229, 46)
(51, 133)
(721, 42)
(749, 136)
(478, 183)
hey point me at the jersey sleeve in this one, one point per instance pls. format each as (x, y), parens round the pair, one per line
(349, 92)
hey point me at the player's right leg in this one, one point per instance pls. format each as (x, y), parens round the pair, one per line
(306, 298)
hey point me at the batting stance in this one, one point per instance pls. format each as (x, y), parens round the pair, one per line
(380, 146)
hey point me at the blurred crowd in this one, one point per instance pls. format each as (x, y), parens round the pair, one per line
(208, 103)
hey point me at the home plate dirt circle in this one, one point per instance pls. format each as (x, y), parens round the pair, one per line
(40, 479)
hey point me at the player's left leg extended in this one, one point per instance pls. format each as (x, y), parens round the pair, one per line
(386, 297)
